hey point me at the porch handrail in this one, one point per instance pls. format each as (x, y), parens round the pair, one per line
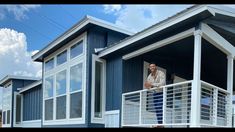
(213, 86)
(165, 86)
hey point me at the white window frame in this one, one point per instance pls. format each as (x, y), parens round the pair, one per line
(81, 58)
(14, 110)
(103, 92)
(8, 125)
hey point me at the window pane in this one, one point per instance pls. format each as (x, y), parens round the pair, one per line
(49, 109)
(76, 77)
(18, 108)
(61, 83)
(98, 91)
(4, 117)
(49, 64)
(76, 49)
(8, 116)
(76, 105)
(62, 58)
(61, 107)
(48, 87)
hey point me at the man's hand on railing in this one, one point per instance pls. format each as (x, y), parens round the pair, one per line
(147, 85)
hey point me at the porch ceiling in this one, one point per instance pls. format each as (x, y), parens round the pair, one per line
(180, 56)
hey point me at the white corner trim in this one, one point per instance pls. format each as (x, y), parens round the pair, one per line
(159, 44)
(176, 19)
(217, 40)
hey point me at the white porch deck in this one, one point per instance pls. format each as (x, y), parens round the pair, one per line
(139, 110)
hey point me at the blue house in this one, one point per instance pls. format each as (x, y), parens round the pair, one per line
(70, 97)
(93, 74)
(21, 105)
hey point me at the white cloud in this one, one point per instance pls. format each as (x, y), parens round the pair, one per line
(19, 11)
(138, 17)
(14, 57)
(111, 8)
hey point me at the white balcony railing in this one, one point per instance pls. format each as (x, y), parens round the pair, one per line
(214, 105)
(171, 106)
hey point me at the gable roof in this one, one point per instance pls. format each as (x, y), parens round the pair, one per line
(79, 27)
(7, 78)
(205, 11)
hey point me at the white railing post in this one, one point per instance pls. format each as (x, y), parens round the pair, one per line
(215, 103)
(140, 109)
(196, 85)
(229, 89)
(164, 106)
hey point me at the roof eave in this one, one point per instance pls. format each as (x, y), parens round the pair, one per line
(11, 77)
(158, 27)
(30, 86)
(85, 21)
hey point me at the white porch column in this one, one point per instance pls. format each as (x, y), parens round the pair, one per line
(196, 85)
(230, 88)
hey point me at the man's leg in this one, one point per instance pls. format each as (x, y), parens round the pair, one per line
(158, 102)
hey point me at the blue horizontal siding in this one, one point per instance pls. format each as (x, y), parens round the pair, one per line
(32, 104)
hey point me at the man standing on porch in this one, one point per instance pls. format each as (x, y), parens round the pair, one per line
(156, 79)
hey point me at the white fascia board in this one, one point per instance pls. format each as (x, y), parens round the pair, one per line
(159, 44)
(227, 11)
(83, 23)
(9, 77)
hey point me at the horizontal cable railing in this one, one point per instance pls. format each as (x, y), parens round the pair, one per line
(214, 105)
(168, 105)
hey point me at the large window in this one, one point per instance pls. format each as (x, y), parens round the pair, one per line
(76, 78)
(76, 49)
(49, 64)
(6, 104)
(48, 109)
(48, 92)
(63, 87)
(98, 89)
(75, 91)
(60, 93)
(61, 58)
(61, 83)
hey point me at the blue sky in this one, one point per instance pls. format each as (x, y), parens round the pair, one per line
(25, 29)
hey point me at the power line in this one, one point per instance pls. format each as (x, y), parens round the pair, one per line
(59, 26)
(31, 28)
(65, 10)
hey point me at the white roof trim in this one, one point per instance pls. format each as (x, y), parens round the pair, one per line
(224, 10)
(32, 85)
(9, 77)
(77, 27)
(176, 19)
(159, 44)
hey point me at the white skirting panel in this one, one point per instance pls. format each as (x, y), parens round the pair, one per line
(112, 118)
